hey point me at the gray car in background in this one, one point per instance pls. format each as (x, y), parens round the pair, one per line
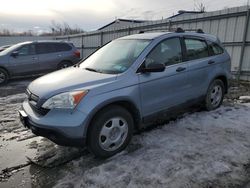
(2, 48)
(129, 83)
(30, 58)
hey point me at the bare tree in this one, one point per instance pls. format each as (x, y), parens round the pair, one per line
(199, 6)
(7, 32)
(64, 28)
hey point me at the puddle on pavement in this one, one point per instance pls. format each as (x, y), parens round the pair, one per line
(14, 152)
(46, 162)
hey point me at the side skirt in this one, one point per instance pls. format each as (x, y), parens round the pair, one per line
(171, 113)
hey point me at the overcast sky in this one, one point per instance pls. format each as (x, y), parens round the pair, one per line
(19, 15)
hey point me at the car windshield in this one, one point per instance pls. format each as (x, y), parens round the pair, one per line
(115, 57)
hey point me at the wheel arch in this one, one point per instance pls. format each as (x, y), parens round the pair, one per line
(6, 71)
(125, 103)
(224, 79)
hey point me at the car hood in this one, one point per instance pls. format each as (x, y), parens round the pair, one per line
(69, 79)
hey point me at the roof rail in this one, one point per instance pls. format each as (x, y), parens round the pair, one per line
(177, 30)
(180, 30)
(199, 31)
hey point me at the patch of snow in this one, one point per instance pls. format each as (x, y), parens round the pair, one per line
(245, 98)
(9, 106)
(200, 150)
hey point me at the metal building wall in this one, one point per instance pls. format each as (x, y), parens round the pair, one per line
(230, 25)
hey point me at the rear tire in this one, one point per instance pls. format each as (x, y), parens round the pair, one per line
(215, 95)
(4, 76)
(110, 132)
(64, 64)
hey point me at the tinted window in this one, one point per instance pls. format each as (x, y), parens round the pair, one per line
(44, 48)
(196, 49)
(215, 49)
(167, 52)
(27, 50)
(60, 47)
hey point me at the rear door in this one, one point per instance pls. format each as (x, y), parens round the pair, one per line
(48, 55)
(162, 90)
(199, 66)
(26, 62)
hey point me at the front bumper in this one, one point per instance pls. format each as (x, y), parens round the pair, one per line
(53, 127)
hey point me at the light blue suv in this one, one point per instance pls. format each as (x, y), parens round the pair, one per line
(129, 83)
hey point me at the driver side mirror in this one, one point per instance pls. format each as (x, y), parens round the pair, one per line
(153, 67)
(15, 54)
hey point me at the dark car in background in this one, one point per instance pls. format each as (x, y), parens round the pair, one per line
(30, 58)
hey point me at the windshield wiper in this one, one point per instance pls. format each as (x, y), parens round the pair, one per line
(91, 69)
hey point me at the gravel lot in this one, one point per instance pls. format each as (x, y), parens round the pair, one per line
(198, 149)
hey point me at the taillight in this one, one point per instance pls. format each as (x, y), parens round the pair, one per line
(77, 53)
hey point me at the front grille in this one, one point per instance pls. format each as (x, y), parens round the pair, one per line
(33, 100)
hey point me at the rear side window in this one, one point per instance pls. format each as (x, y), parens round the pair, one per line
(45, 48)
(215, 49)
(61, 47)
(196, 49)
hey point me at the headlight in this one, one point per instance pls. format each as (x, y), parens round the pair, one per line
(67, 100)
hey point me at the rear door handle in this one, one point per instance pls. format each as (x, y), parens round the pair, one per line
(179, 69)
(211, 62)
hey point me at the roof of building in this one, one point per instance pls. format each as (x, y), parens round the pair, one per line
(181, 12)
(122, 20)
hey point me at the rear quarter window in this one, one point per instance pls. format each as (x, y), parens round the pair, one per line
(214, 48)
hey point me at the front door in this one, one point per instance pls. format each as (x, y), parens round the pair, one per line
(25, 61)
(162, 90)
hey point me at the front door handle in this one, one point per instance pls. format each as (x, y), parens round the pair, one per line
(211, 62)
(179, 69)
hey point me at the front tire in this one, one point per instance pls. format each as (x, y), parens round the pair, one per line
(110, 132)
(4, 77)
(215, 95)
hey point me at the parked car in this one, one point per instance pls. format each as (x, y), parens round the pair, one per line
(124, 86)
(2, 48)
(29, 58)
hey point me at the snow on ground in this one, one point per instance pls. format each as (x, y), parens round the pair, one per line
(9, 106)
(203, 149)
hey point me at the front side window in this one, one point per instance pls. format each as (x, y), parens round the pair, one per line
(167, 52)
(115, 57)
(25, 50)
(196, 49)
